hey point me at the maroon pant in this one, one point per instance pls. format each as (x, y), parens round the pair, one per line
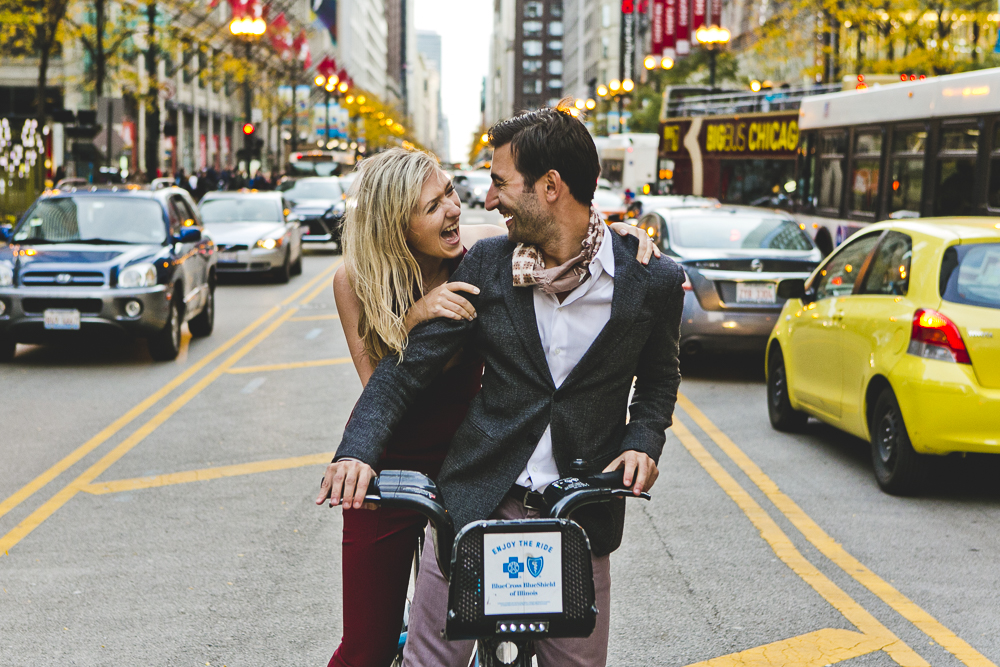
(378, 550)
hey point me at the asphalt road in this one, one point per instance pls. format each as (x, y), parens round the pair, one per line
(162, 514)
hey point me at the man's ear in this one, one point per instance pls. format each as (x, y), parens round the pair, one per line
(552, 184)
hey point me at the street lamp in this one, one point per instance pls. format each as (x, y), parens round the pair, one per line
(711, 37)
(328, 84)
(249, 30)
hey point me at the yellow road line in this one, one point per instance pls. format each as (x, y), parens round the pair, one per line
(835, 552)
(205, 474)
(35, 519)
(314, 318)
(289, 366)
(815, 649)
(90, 445)
(322, 288)
(793, 558)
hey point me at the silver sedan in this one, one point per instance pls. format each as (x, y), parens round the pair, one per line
(253, 233)
(735, 258)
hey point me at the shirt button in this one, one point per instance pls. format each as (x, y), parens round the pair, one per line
(534, 468)
(557, 351)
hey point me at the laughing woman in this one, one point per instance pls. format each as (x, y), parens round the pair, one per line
(402, 241)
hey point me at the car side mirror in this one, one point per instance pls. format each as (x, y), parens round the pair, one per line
(5, 233)
(794, 288)
(189, 235)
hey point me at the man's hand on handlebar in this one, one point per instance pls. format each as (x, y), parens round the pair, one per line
(346, 481)
(638, 466)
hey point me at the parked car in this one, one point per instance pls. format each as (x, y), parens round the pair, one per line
(129, 262)
(472, 187)
(735, 259)
(318, 204)
(642, 203)
(895, 338)
(254, 233)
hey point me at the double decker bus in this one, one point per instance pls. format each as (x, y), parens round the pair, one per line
(841, 160)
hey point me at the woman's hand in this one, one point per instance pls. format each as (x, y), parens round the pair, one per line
(646, 245)
(443, 301)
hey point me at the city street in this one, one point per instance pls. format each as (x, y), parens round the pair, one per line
(164, 514)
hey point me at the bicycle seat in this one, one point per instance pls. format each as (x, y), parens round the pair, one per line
(525, 579)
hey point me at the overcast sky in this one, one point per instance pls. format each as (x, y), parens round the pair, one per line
(465, 27)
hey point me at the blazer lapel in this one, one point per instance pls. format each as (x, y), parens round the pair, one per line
(521, 307)
(631, 281)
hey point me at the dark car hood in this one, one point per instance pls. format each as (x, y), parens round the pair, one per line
(313, 205)
(96, 257)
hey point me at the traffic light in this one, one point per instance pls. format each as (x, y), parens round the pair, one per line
(252, 146)
(248, 129)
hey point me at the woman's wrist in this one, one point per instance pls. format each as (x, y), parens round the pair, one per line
(414, 315)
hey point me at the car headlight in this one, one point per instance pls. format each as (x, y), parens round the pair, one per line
(6, 274)
(269, 244)
(478, 191)
(137, 275)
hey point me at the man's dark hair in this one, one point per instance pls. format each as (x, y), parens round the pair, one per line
(551, 139)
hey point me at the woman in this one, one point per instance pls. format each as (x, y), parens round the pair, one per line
(402, 242)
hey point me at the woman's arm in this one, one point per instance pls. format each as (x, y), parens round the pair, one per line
(349, 309)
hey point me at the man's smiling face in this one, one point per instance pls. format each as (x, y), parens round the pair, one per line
(527, 220)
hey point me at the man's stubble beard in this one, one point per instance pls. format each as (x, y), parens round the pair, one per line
(532, 225)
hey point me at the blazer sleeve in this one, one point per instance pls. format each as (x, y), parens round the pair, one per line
(657, 378)
(395, 384)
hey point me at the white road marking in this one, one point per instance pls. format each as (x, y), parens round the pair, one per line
(253, 385)
(314, 334)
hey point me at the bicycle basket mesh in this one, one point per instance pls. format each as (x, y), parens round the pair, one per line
(467, 577)
(578, 576)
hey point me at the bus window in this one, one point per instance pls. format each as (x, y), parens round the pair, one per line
(994, 194)
(831, 170)
(907, 169)
(865, 173)
(956, 170)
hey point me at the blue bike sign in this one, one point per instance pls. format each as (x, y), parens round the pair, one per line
(523, 573)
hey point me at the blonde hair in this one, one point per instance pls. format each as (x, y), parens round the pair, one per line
(380, 264)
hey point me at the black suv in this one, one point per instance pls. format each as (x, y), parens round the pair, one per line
(106, 261)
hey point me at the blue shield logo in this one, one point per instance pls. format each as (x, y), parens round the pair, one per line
(535, 565)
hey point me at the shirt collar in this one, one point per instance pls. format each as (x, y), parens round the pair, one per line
(604, 258)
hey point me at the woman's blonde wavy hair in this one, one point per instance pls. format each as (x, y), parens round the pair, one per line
(380, 264)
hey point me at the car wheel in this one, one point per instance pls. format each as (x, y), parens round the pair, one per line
(166, 344)
(283, 273)
(899, 470)
(7, 349)
(779, 408)
(202, 324)
(297, 265)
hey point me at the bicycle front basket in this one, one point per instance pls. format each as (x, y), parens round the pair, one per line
(527, 579)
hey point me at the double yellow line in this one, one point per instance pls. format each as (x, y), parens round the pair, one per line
(36, 518)
(793, 558)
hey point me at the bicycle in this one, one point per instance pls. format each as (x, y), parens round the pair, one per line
(488, 598)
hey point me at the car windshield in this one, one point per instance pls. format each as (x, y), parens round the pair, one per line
(315, 190)
(977, 280)
(93, 219)
(244, 209)
(480, 179)
(732, 232)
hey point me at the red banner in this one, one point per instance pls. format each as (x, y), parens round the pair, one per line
(683, 27)
(659, 9)
(715, 12)
(698, 12)
(670, 28)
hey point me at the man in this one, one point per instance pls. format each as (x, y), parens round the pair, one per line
(566, 317)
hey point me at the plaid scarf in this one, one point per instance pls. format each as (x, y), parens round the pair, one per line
(529, 267)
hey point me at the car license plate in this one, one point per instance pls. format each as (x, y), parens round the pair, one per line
(228, 257)
(756, 293)
(59, 318)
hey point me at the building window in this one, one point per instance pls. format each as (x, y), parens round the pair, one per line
(606, 16)
(605, 46)
(555, 67)
(532, 87)
(556, 10)
(555, 84)
(532, 47)
(556, 29)
(555, 45)
(532, 28)
(534, 10)
(553, 102)
(531, 66)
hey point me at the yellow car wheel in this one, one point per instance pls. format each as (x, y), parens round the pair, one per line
(899, 470)
(779, 409)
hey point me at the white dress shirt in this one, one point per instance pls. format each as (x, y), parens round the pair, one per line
(567, 331)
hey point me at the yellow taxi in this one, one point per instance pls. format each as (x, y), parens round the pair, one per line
(895, 338)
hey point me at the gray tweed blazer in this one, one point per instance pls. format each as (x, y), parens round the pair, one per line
(519, 399)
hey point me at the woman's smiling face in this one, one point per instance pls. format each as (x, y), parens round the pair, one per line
(433, 230)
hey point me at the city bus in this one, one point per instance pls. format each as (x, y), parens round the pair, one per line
(841, 160)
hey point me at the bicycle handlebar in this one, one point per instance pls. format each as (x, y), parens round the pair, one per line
(404, 489)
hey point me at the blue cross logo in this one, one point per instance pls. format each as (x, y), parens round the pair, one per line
(513, 567)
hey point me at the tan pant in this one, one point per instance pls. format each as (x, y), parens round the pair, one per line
(427, 647)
